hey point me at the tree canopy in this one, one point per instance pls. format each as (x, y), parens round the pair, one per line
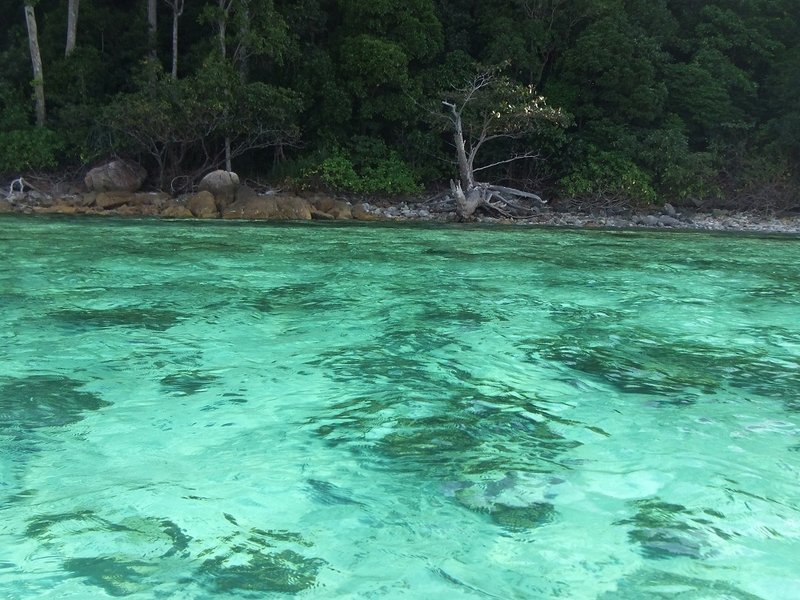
(643, 100)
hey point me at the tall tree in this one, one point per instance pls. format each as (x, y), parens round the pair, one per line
(244, 58)
(177, 11)
(224, 7)
(72, 26)
(152, 28)
(36, 60)
(246, 28)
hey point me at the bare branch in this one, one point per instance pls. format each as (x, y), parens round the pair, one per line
(18, 180)
(508, 111)
(507, 160)
(515, 192)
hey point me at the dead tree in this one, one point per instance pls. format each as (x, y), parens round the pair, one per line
(487, 108)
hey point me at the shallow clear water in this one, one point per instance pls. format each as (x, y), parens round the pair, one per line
(198, 410)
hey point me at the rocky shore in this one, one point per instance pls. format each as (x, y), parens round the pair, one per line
(280, 207)
(221, 196)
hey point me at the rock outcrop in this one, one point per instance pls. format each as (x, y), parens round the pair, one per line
(337, 209)
(107, 200)
(176, 211)
(112, 200)
(116, 176)
(273, 208)
(292, 208)
(361, 213)
(203, 205)
(223, 185)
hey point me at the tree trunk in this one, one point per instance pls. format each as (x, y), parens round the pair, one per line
(177, 11)
(36, 60)
(467, 202)
(464, 170)
(224, 6)
(223, 19)
(72, 26)
(464, 167)
(152, 28)
(244, 56)
(174, 46)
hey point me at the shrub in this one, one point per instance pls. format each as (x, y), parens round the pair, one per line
(370, 167)
(337, 173)
(29, 149)
(609, 177)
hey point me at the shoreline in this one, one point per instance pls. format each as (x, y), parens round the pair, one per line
(161, 206)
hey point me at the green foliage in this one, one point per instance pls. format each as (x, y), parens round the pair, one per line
(692, 179)
(78, 79)
(15, 111)
(679, 174)
(673, 98)
(609, 176)
(615, 67)
(181, 125)
(369, 167)
(30, 149)
(412, 25)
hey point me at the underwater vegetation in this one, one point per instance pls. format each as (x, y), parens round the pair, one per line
(37, 401)
(146, 552)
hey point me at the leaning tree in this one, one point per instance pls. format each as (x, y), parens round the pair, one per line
(487, 108)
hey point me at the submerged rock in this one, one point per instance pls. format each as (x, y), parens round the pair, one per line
(657, 584)
(665, 530)
(29, 403)
(512, 502)
(522, 517)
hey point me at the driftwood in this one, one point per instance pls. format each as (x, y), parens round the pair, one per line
(469, 194)
(493, 198)
(25, 183)
(19, 181)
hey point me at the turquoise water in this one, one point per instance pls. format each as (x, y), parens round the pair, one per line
(217, 410)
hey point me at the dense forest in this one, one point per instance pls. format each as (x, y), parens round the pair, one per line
(598, 102)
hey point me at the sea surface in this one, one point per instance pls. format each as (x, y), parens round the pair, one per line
(232, 410)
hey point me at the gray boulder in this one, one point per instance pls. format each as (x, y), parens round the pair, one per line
(648, 221)
(668, 221)
(116, 176)
(669, 210)
(222, 185)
